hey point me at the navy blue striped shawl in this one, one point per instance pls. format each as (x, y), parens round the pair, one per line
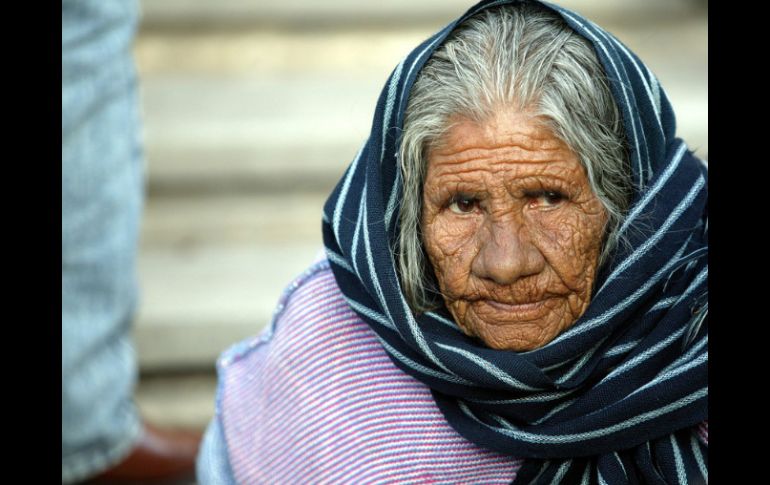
(611, 400)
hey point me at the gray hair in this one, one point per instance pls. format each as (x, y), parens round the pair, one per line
(518, 57)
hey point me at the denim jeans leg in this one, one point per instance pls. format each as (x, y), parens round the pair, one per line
(102, 197)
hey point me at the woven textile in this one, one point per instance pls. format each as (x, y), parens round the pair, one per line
(613, 399)
(316, 399)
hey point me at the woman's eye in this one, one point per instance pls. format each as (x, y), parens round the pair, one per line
(463, 205)
(547, 198)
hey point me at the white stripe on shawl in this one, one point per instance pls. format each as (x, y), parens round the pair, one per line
(586, 473)
(620, 462)
(377, 317)
(649, 194)
(419, 337)
(449, 323)
(695, 445)
(665, 303)
(663, 377)
(599, 320)
(343, 194)
(687, 355)
(655, 348)
(580, 363)
(620, 349)
(388, 111)
(392, 198)
(555, 410)
(681, 475)
(421, 368)
(370, 262)
(645, 81)
(655, 91)
(652, 240)
(597, 433)
(624, 89)
(389, 106)
(390, 210)
(557, 365)
(502, 421)
(560, 472)
(338, 260)
(490, 368)
(544, 397)
(356, 233)
(631, 363)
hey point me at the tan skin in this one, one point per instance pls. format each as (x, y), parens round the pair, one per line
(512, 229)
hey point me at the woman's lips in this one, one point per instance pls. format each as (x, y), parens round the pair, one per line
(500, 312)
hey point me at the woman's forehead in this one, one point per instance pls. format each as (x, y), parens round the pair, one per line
(505, 127)
(507, 141)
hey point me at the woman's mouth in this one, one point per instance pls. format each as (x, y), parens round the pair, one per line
(499, 312)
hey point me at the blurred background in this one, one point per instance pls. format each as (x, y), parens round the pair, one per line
(252, 110)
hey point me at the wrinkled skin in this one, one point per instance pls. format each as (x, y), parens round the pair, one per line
(512, 229)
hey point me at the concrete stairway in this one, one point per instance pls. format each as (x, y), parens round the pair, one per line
(252, 112)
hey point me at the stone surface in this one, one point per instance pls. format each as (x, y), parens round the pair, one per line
(178, 400)
(238, 110)
(252, 112)
(303, 14)
(212, 269)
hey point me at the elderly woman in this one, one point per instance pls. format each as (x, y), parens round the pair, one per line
(513, 287)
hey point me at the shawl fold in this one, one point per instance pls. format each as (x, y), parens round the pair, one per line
(614, 398)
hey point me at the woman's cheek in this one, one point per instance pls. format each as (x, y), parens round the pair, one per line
(450, 243)
(572, 231)
(572, 242)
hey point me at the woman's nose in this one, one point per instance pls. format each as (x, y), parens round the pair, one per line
(507, 253)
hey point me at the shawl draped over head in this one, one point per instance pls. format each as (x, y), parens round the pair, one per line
(614, 398)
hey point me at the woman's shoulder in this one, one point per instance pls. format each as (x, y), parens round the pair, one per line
(316, 398)
(312, 296)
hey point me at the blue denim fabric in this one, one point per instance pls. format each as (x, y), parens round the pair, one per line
(213, 464)
(102, 194)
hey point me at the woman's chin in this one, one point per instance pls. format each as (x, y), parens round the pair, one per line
(523, 331)
(516, 337)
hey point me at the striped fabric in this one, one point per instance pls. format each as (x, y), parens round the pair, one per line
(316, 365)
(615, 397)
(317, 400)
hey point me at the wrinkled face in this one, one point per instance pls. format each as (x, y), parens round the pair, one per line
(513, 230)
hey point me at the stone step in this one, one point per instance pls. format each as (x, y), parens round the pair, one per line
(267, 111)
(177, 400)
(248, 129)
(304, 14)
(212, 269)
(261, 134)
